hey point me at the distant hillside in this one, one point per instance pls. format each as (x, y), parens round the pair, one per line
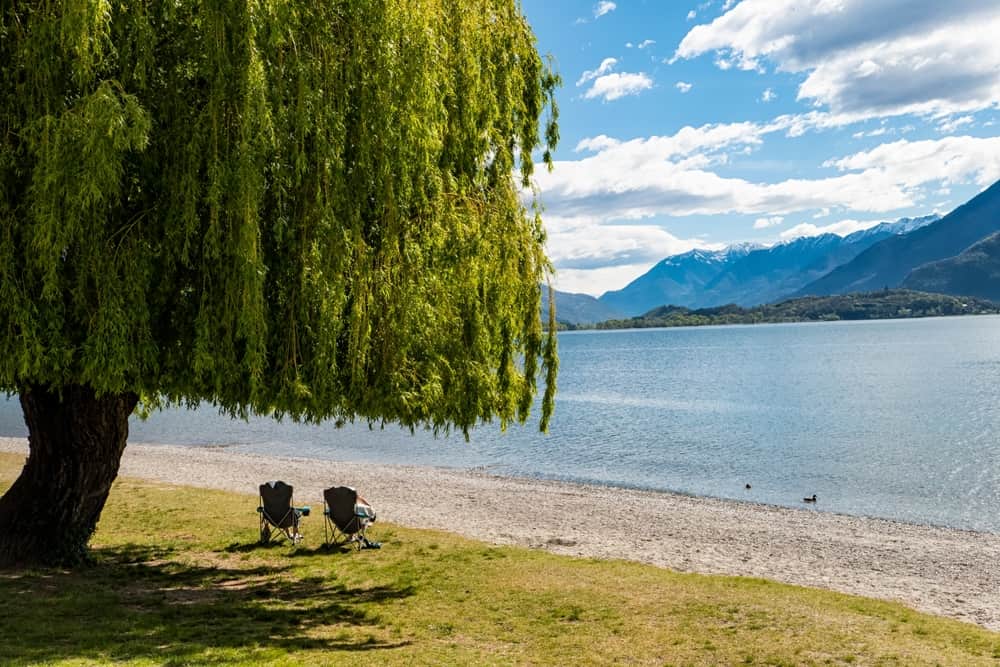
(885, 304)
(577, 308)
(679, 279)
(976, 272)
(888, 262)
(746, 274)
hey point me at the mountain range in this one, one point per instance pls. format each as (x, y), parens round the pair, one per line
(680, 279)
(746, 274)
(887, 264)
(957, 254)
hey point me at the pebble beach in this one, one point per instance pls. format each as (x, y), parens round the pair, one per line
(942, 571)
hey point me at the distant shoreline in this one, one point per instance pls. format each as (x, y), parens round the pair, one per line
(861, 306)
(945, 571)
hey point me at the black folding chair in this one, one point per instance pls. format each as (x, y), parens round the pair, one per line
(277, 512)
(346, 519)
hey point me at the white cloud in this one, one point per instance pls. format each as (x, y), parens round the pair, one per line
(596, 282)
(585, 243)
(613, 85)
(689, 141)
(691, 15)
(606, 66)
(646, 43)
(949, 125)
(657, 176)
(617, 85)
(604, 7)
(795, 125)
(683, 86)
(877, 132)
(768, 95)
(629, 45)
(764, 223)
(596, 144)
(868, 58)
(950, 160)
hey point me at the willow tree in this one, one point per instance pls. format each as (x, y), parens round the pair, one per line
(284, 207)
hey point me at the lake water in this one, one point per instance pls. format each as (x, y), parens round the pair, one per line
(897, 419)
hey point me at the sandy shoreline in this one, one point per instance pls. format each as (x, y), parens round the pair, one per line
(938, 570)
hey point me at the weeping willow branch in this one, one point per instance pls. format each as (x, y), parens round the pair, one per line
(281, 207)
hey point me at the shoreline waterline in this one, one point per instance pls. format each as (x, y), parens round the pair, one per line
(892, 419)
(945, 571)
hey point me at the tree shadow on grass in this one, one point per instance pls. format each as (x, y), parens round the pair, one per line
(326, 550)
(140, 603)
(256, 546)
(293, 551)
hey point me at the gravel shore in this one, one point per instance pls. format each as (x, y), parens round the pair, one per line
(938, 570)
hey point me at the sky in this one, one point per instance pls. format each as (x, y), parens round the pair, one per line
(687, 124)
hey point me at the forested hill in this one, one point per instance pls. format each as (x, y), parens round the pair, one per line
(884, 304)
(975, 272)
(577, 308)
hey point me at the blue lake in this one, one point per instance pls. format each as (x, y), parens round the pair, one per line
(897, 419)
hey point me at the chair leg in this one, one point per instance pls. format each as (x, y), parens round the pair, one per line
(265, 531)
(331, 533)
(359, 539)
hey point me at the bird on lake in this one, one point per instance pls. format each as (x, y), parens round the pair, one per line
(810, 500)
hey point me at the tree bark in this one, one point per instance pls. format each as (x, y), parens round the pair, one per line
(75, 440)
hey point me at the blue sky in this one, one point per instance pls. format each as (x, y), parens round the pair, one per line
(689, 124)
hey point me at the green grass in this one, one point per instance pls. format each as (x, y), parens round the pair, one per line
(179, 579)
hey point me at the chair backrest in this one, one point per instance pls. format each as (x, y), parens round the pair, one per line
(340, 502)
(276, 499)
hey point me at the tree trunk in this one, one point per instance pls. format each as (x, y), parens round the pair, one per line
(75, 440)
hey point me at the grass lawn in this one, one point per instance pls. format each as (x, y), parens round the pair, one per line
(179, 579)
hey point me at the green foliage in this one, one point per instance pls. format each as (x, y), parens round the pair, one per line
(278, 206)
(886, 304)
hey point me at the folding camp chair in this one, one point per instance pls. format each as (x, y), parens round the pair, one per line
(277, 512)
(346, 519)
